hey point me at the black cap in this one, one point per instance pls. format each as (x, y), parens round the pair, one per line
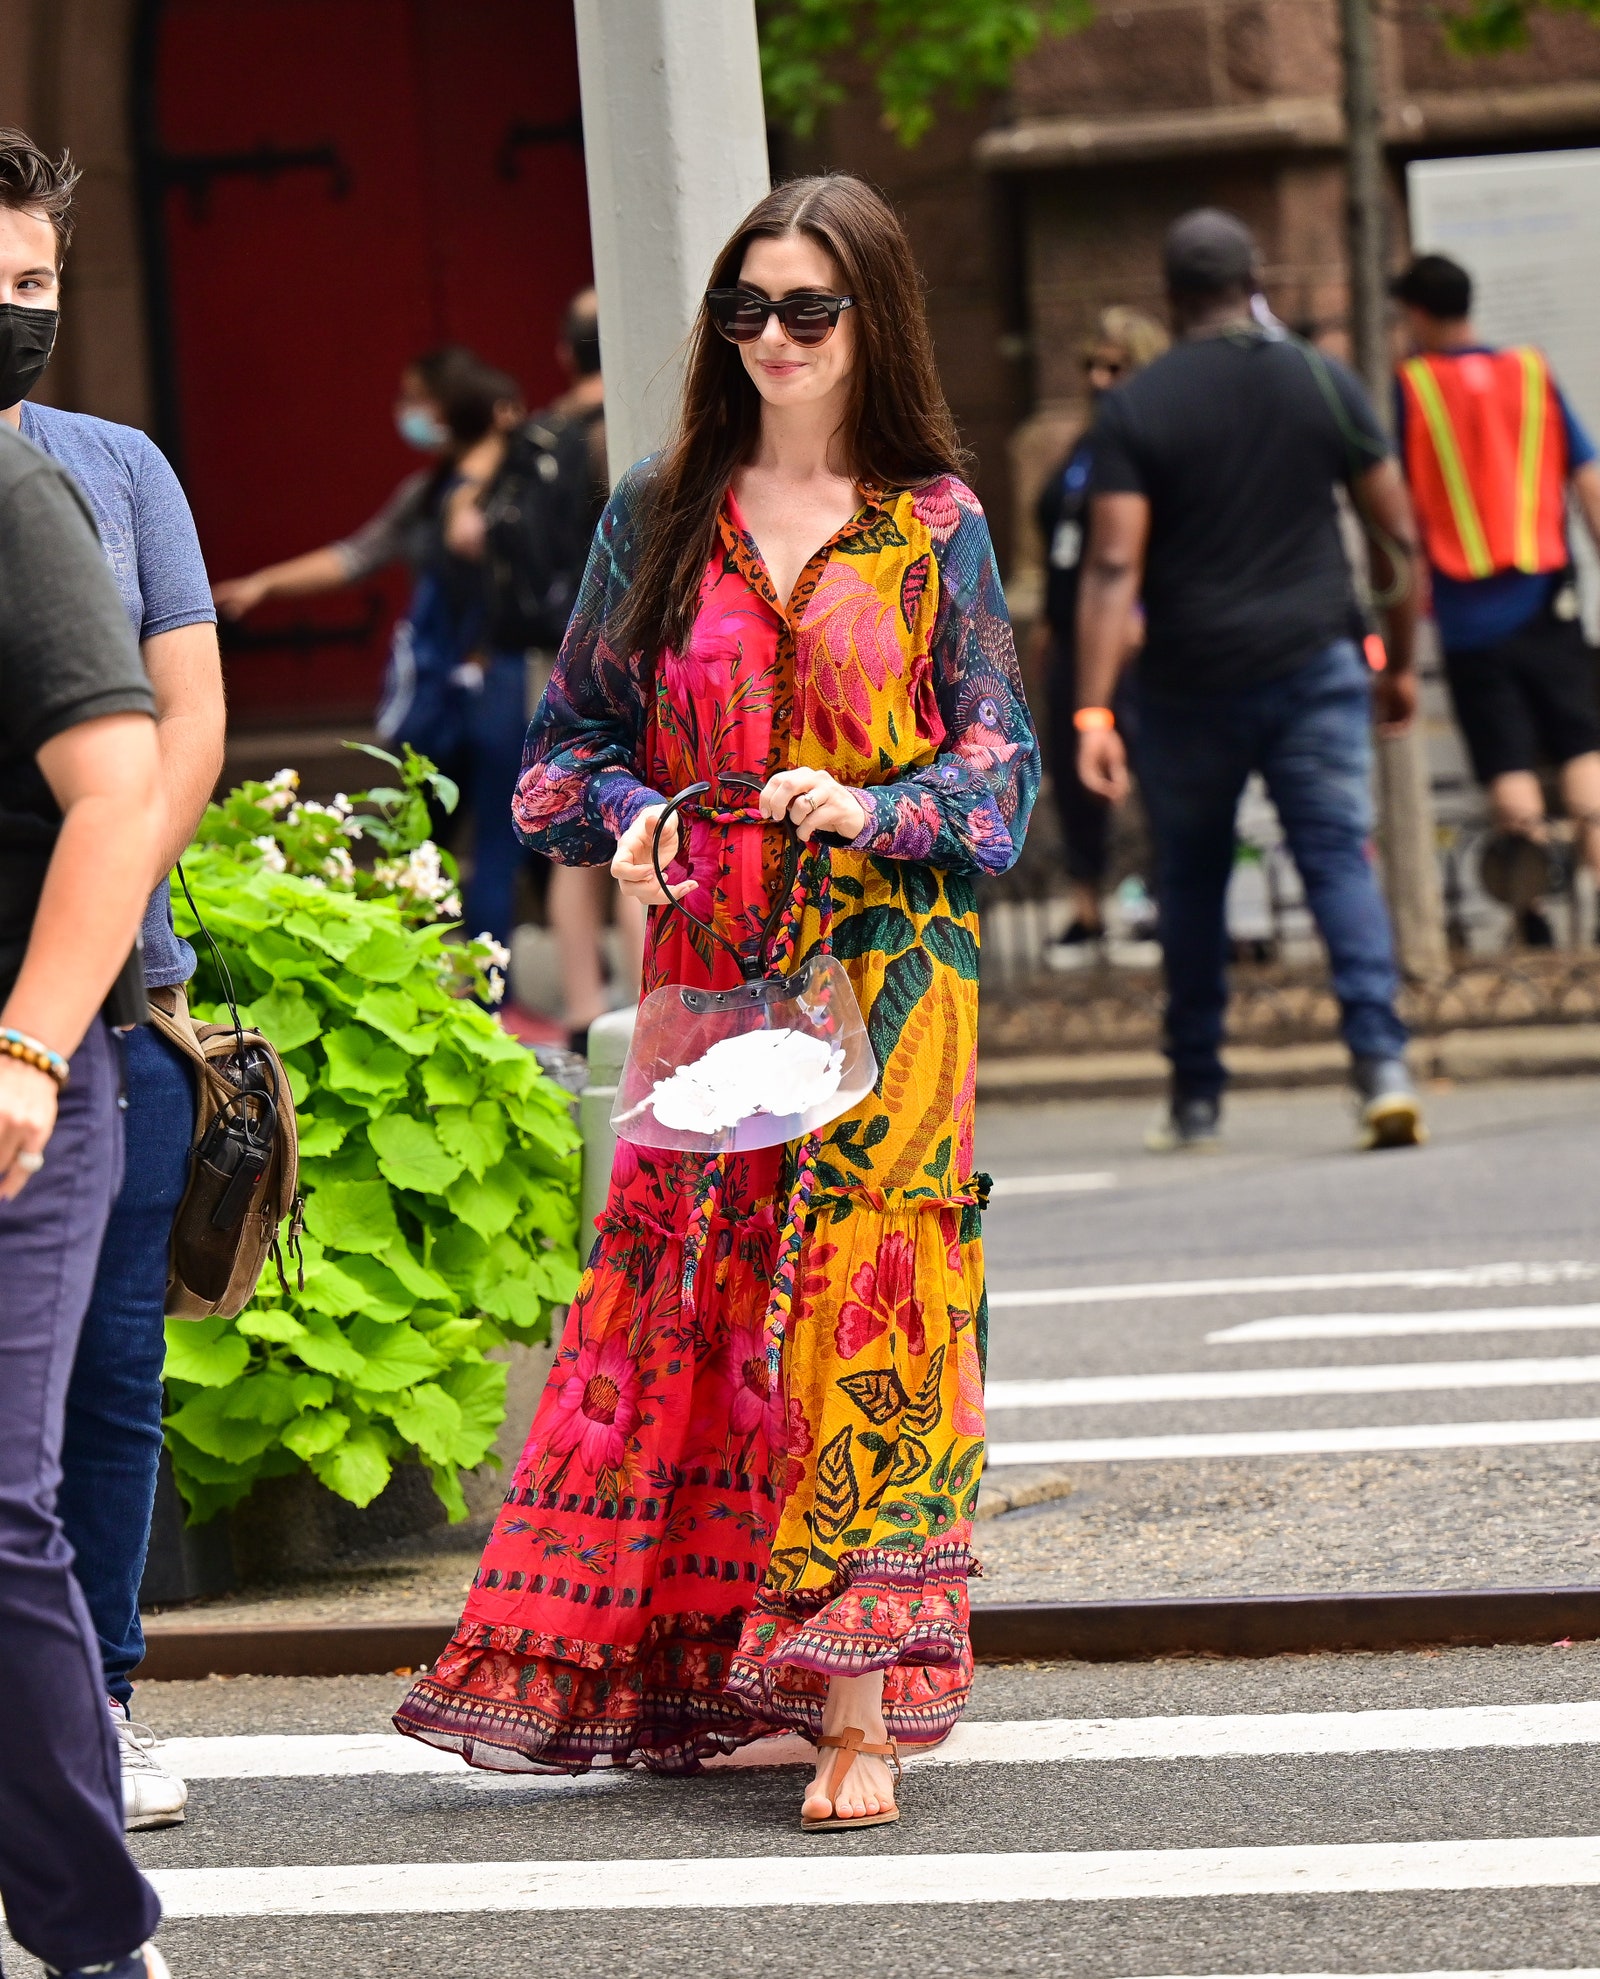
(1437, 286)
(1209, 252)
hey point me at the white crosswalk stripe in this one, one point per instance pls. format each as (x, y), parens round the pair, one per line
(816, 1881)
(1445, 1278)
(1008, 1742)
(1296, 1442)
(1269, 1383)
(1409, 1325)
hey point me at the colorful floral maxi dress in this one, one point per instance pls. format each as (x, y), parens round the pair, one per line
(686, 1554)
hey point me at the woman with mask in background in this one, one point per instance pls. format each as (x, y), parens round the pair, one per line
(1125, 341)
(458, 409)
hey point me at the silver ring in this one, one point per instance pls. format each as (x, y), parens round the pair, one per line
(29, 1162)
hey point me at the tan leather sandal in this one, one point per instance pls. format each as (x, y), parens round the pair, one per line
(847, 1744)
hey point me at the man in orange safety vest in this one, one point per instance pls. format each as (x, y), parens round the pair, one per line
(1491, 449)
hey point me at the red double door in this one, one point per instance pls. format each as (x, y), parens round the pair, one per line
(336, 186)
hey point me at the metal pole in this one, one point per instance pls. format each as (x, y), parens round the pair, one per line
(675, 143)
(1407, 834)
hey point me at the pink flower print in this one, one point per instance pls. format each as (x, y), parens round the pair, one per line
(597, 1405)
(853, 625)
(936, 508)
(745, 1400)
(967, 1414)
(916, 827)
(885, 1296)
(981, 743)
(547, 796)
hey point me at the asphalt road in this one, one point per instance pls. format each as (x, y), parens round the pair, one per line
(1291, 1823)
(1507, 1180)
(1349, 1822)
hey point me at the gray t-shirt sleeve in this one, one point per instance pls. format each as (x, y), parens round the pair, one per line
(67, 652)
(172, 572)
(382, 541)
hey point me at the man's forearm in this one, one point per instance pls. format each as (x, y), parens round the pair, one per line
(1106, 602)
(1401, 622)
(191, 762)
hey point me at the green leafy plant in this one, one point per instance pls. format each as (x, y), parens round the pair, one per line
(917, 51)
(439, 1164)
(1487, 27)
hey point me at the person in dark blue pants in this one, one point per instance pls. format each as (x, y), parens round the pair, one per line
(1310, 734)
(113, 1428)
(80, 816)
(1212, 499)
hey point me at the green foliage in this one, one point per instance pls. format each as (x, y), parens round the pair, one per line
(440, 1166)
(1488, 27)
(918, 51)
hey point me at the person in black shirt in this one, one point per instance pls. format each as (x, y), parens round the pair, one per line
(82, 817)
(1213, 499)
(1125, 342)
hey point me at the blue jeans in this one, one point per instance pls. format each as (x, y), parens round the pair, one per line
(1309, 733)
(72, 1896)
(497, 728)
(113, 1435)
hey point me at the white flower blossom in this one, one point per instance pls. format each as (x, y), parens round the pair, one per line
(450, 907)
(271, 854)
(284, 780)
(342, 806)
(497, 986)
(339, 865)
(495, 952)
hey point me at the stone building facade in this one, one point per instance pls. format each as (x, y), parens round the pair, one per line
(1036, 213)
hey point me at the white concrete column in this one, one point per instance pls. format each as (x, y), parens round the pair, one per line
(675, 144)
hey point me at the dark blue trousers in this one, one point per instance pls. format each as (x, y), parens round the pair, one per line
(72, 1895)
(497, 728)
(1309, 733)
(112, 1443)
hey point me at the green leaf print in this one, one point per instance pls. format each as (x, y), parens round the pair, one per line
(911, 1459)
(852, 889)
(881, 533)
(923, 1418)
(954, 945)
(906, 981)
(921, 888)
(880, 930)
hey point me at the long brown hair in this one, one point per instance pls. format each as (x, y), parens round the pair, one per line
(897, 429)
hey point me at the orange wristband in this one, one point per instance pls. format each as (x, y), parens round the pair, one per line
(1088, 718)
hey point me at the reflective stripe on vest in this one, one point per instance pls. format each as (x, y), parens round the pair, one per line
(1487, 462)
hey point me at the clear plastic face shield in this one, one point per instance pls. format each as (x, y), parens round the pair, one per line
(777, 1058)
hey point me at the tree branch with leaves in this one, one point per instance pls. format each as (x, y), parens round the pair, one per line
(1489, 27)
(919, 53)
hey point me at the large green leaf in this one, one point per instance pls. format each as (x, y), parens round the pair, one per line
(205, 1421)
(477, 1135)
(412, 1153)
(488, 1202)
(285, 1016)
(326, 1349)
(394, 1356)
(480, 1036)
(266, 1396)
(353, 1216)
(395, 1014)
(417, 1279)
(314, 1434)
(448, 1080)
(207, 1352)
(358, 1062)
(382, 1294)
(877, 931)
(430, 1419)
(388, 955)
(281, 1327)
(358, 1468)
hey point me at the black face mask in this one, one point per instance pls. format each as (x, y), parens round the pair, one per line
(27, 337)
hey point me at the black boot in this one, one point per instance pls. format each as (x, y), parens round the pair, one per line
(1192, 1121)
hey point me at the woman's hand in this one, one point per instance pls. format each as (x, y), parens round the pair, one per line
(237, 597)
(1103, 764)
(27, 1116)
(813, 801)
(631, 868)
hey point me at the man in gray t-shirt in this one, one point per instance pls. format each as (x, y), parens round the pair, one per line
(113, 1432)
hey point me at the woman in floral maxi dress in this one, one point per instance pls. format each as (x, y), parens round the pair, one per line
(690, 1558)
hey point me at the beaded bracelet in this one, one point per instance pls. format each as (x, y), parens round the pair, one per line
(17, 1044)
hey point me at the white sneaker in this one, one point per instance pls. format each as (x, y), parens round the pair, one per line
(151, 1796)
(146, 1963)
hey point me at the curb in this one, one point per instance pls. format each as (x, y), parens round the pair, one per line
(1070, 1631)
(1511, 1051)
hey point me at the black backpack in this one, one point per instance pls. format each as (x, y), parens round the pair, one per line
(539, 514)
